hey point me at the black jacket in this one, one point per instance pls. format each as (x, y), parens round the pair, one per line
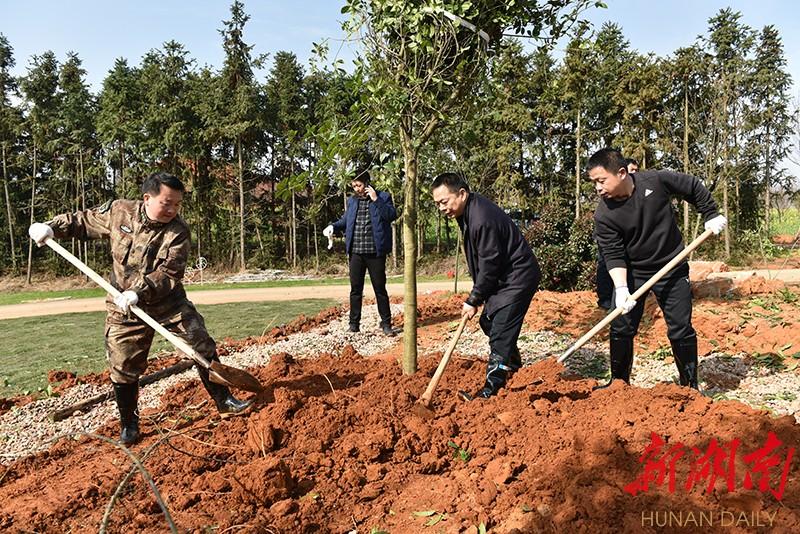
(640, 232)
(503, 267)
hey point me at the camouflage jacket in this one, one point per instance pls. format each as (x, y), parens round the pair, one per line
(149, 257)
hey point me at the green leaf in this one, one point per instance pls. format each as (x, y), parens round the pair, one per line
(434, 520)
(424, 513)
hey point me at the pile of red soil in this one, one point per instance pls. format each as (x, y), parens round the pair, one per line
(334, 445)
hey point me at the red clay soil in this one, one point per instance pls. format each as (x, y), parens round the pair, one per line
(334, 445)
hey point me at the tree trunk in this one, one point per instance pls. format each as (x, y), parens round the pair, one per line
(33, 220)
(438, 231)
(409, 256)
(294, 233)
(686, 222)
(243, 265)
(83, 203)
(8, 212)
(725, 211)
(578, 169)
(122, 168)
(420, 238)
(767, 183)
(316, 248)
(458, 251)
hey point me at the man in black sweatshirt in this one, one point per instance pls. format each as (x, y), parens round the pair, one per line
(637, 234)
(505, 274)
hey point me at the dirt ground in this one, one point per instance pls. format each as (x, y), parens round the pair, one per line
(334, 444)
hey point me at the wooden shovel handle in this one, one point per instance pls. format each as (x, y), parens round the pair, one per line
(637, 295)
(426, 397)
(155, 325)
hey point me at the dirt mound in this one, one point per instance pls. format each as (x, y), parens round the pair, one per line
(699, 270)
(785, 239)
(760, 325)
(333, 446)
(755, 285)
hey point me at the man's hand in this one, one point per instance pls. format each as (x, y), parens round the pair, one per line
(40, 232)
(373, 195)
(328, 231)
(622, 299)
(717, 224)
(126, 300)
(468, 311)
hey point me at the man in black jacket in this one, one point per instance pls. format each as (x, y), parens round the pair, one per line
(504, 271)
(637, 234)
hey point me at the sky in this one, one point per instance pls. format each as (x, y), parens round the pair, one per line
(100, 31)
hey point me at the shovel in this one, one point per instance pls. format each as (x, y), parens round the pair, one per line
(217, 372)
(422, 407)
(637, 295)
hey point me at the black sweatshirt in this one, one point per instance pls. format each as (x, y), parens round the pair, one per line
(503, 267)
(640, 232)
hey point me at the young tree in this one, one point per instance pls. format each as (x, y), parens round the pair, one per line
(769, 117)
(239, 102)
(10, 122)
(730, 41)
(118, 118)
(421, 59)
(40, 91)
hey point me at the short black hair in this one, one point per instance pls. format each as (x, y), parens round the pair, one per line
(152, 184)
(363, 177)
(454, 182)
(628, 161)
(609, 158)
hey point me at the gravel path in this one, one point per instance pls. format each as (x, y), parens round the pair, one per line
(26, 430)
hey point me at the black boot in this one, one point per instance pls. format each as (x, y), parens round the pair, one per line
(515, 361)
(127, 396)
(227, 404)
(497, 374)
(685, 353)
(387, 329)
(621, 349)
(353, 328)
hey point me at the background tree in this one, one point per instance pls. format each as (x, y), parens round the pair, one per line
(10, 124)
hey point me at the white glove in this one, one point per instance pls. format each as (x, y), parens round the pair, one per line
(328, 232)
(622, 299)
(126, 300)
(40, 232)
(717, 224)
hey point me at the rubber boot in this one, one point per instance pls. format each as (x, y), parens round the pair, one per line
(621, 349)
(497, 374)
(227, 404)
(685, 353)
(127, 396)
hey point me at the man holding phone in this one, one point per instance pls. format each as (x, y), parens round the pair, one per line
(367, 227)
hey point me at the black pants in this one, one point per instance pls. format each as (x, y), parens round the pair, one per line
(376, 265)
(674, 295)
(605, 286)
(503, 328)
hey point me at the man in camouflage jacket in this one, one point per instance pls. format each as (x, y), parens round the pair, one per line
(150, 245)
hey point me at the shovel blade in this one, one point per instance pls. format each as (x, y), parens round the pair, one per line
(233, 377)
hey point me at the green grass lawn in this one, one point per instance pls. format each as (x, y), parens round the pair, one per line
(31, 346)
(785, 222)
(19, 297)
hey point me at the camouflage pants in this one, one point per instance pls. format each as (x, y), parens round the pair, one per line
(128, 339)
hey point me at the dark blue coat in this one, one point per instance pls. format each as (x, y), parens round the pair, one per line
(381, 213)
